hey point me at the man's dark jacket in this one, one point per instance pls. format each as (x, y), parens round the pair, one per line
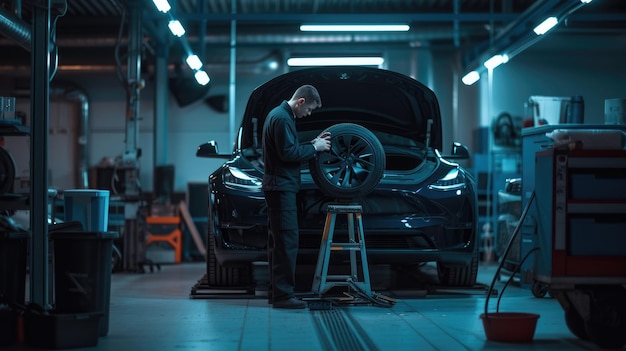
(282, 151)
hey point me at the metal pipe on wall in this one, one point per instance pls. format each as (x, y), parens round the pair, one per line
(20, 32)
(78, 95)
(233, 74)
(15, 29)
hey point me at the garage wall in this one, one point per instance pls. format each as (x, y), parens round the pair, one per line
(597, 72)
(593, 67)
(188, 127)
(197, 123)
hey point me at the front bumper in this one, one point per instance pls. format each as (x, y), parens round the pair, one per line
(400, 228)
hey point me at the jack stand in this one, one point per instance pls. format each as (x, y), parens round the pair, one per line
(322, 282)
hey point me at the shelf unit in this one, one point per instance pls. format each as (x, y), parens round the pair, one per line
(38, 198)
(11, 200)
(491, 170)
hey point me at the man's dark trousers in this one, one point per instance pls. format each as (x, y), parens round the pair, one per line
(282, 243)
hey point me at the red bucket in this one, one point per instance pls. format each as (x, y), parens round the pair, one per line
(509, 326)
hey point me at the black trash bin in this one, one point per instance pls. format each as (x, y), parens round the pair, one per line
(13, 254)
(13, 257)
(82, 273)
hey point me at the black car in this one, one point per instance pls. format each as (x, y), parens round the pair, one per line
(385, 155)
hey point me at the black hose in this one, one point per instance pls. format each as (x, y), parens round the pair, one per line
(513, 275)
(508, 248)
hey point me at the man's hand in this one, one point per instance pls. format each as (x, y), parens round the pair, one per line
(323, 135)
(322, 142)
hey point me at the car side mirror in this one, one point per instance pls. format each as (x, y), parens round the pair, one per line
(459, 151)
(208, 149)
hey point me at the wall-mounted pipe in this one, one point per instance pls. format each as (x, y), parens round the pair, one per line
(78, 95)
(73, 93)
(19, 31)
(15, 29)
(264, 65)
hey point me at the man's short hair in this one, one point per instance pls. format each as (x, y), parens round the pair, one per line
(309, 93)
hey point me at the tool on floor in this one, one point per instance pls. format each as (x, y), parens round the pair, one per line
(322, 281)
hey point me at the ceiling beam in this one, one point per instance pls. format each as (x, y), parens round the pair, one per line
(517, 36)
(345, 17)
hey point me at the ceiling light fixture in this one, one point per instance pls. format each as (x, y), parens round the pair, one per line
(194, 62)
(513, 44)
(546, 25)
(335, 61)
(176, 28)
(202, 77)
(162, 5)
(470, 78)
(354, 27)
(495, 61)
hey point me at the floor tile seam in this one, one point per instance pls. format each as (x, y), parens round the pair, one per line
(431, 321)
(243, 327)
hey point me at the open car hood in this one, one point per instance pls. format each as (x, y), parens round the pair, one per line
(380, 100)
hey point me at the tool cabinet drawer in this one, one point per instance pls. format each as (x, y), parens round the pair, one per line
(605, 184)
(597, 235)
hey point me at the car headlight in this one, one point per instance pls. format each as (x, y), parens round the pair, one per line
(236, 178)
(453, 180)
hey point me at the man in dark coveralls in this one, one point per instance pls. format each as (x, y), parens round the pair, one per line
(283, 154)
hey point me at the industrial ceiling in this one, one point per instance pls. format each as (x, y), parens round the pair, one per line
(86, 30)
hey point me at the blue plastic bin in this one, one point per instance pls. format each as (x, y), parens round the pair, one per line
(89, 207)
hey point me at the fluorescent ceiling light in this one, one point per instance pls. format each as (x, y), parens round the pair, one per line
(176, 28)
(162, 5)
(496, 61)
(272, 65)
(202, 78)
(194, 62)
(585, 1)
(354, 27)
(470, 78)
(335, 61)
(546, 25)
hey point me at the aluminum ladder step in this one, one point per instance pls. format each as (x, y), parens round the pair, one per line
(322, 282)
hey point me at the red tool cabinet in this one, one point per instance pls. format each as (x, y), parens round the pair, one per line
(581, 217)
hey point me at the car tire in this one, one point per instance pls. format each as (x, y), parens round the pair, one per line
(606, 325)
(219, 276)
(354, 165)
(452, 275)
(116, 259)
(216, 274)
(7, 171)
(575, 323)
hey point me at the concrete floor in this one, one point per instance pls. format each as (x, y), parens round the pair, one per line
(154, 311)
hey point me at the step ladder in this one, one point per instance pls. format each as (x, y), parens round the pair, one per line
(322, 282)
